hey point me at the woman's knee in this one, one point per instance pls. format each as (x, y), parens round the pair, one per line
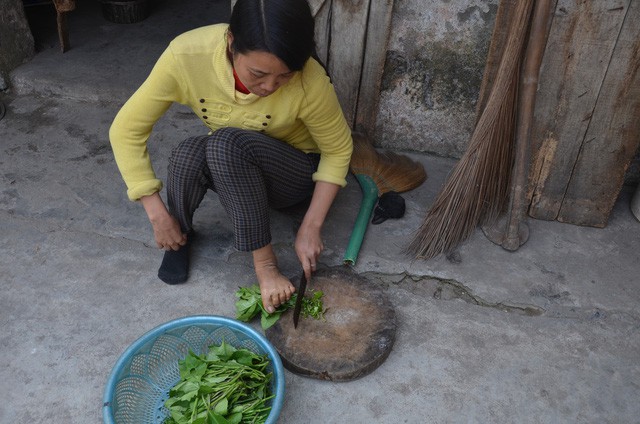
(226, 138)
(190, 146)
(227, 132)
(188, 157)
(227, 146)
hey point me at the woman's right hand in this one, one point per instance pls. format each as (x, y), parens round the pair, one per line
(166, 228)
(168, 234)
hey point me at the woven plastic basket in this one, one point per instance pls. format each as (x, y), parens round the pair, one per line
(140, 381)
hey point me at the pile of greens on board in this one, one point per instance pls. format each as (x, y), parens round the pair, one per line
(249, 305)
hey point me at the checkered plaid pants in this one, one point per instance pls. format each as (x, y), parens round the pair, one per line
(250, 172)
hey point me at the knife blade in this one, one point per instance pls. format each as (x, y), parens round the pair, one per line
(297, 308)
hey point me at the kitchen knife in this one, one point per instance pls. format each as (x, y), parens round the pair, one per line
(301, 289)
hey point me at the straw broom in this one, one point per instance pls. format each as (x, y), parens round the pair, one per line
(377, 173)
(478, 188)
(511, 230)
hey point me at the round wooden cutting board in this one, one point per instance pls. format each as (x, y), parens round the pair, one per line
(355, 338)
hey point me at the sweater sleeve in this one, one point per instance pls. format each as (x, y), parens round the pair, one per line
(132, 126)
(323, 117)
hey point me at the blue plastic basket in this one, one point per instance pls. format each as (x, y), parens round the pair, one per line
(140, 381)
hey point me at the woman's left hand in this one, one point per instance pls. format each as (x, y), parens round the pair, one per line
(308, 248)
(308, 241)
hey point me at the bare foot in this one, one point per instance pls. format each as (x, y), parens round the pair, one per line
(275, 288)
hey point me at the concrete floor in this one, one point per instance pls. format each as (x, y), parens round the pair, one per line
(79, 270)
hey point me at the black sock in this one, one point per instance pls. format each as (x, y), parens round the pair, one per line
(175, 266)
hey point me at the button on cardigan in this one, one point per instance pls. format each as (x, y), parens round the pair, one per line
(195, 71)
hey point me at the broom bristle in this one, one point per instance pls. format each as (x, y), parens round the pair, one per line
(364, 156)
(477, 189)
(399, 173)
(390, 171)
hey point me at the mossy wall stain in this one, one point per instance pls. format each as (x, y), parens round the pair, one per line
(433, 73)
(444, 75)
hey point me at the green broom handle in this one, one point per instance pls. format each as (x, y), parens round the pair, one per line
(369, 198)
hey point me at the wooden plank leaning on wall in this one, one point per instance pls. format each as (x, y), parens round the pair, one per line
(586, 127)
(613, 135)
(352, 37)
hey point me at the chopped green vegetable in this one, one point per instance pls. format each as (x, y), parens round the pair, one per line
(225, 386)
(312, 307)
(249, 305)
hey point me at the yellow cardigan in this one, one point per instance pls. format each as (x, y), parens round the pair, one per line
(195, 71)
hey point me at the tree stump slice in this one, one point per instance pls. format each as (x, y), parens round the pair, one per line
(356, 337)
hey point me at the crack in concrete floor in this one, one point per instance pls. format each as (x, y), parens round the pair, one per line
(449, 289)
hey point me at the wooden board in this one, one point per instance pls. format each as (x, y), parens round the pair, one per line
(346, 51)
(613, 135)
(375, 55)
(579, 55)
(321, 10)
(356, 337)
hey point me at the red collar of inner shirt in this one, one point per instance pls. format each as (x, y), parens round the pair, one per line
(239, 85)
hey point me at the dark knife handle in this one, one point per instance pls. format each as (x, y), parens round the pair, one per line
(302, 287)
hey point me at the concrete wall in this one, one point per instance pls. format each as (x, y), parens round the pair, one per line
(16, 41)
(436, 57)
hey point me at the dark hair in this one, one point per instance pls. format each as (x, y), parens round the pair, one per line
(284, 28)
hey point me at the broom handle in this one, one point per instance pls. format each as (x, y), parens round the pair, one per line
(369, 198)
(538, 34)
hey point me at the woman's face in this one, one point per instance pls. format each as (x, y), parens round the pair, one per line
(261, 72)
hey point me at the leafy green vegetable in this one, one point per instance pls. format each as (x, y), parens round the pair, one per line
(312, 307)
(225, 386)
(249, 305)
